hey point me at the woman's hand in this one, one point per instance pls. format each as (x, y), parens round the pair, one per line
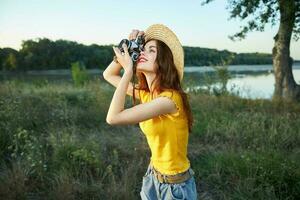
(134, 34)
(124, 58)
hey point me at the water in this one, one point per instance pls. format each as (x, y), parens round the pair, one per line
(235, 68)
(261, 86)
(248, 81)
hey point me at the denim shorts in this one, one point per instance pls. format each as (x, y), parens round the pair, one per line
(152, 189)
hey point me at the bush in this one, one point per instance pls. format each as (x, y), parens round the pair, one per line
(79, 73)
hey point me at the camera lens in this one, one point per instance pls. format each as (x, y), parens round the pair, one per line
(127, 42)
(134, 56)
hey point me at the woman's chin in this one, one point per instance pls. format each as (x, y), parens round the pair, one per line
(142, 67)
(142, 64)
(139, 66)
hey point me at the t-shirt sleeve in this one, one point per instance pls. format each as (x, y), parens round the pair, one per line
(175, 98)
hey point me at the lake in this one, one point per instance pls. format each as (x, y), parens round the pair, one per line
(248, 81)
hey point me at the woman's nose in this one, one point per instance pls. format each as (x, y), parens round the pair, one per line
(142, 52)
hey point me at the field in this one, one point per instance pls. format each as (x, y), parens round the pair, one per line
(55, 144)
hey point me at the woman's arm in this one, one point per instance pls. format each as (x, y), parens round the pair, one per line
(118, 100)
(116, 112)
(112, 72)
(117, 115)
(112, 75)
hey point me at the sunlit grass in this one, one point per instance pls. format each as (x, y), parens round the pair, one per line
(55, 144)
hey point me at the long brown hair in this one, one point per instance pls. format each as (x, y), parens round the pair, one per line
(166, 78)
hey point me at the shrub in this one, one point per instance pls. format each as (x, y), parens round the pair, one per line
(79, 73)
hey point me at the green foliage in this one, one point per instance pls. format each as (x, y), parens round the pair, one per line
(216, 83)
(71, 153)
(45, 54)
(79, 73)
(14, 178)
(222, 78)
(28, 147)
(11, 62)
(263, 175)
(9, 59)
(239, 148)
(261, 12)
(196, 56)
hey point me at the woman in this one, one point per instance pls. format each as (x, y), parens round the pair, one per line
(164, 114)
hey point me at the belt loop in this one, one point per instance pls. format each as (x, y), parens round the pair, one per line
(191, 172)
(164, 178)
(150, 167)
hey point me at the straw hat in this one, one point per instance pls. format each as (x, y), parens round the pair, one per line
(164, 34)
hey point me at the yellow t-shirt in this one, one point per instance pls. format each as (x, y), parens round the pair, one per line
(167, 136)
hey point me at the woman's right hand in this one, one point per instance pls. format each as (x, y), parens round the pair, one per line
(134, 34)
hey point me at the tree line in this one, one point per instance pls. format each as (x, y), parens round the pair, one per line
(42, 54)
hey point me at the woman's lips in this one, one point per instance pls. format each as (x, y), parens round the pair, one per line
(142, 60)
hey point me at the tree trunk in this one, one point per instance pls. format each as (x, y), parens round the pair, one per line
(285, 85)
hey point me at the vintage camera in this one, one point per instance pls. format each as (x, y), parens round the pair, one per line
(134, 47)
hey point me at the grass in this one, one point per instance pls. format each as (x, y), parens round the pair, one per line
(55, 144)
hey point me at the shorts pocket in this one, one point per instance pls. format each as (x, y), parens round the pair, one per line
(177, 191)
(190, 189)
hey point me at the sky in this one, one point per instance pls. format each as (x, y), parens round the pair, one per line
(105, 22)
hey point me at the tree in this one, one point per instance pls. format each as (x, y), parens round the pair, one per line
(9, 59)
(11, 62)
(287, 13)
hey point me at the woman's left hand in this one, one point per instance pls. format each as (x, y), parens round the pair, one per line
(124, 59)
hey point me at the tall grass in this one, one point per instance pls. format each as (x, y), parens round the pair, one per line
(55, 144)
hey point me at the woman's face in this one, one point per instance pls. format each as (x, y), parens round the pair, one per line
(147, 59)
